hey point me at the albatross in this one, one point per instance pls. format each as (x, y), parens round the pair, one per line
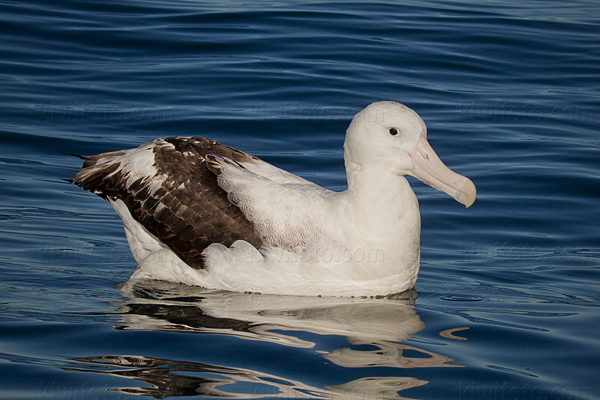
(198, 212)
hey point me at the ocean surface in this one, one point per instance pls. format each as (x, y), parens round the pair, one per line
(507, 301)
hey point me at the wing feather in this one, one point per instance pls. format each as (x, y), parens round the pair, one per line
(169, 188)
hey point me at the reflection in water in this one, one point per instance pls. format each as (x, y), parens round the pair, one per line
(170, 378)
(449, 333)
(388, 354)
(169, 307)
(379, 325)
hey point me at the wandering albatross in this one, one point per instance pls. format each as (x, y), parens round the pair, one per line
(199, 212)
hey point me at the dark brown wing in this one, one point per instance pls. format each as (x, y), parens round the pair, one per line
(177, 198)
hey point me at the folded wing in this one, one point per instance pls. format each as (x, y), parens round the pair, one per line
(169, 188)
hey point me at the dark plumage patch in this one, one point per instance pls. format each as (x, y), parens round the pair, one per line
(189, 211)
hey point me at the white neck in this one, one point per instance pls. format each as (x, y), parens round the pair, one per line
(381, 190)
(383, 204)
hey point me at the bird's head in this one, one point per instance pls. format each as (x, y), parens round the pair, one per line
(393, 138)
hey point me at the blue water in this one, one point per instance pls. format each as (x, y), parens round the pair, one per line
(507, 302)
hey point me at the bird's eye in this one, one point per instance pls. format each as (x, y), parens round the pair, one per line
(393, 131)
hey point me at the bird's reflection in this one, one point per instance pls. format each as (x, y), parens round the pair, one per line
(170, 378)
(381, 324)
